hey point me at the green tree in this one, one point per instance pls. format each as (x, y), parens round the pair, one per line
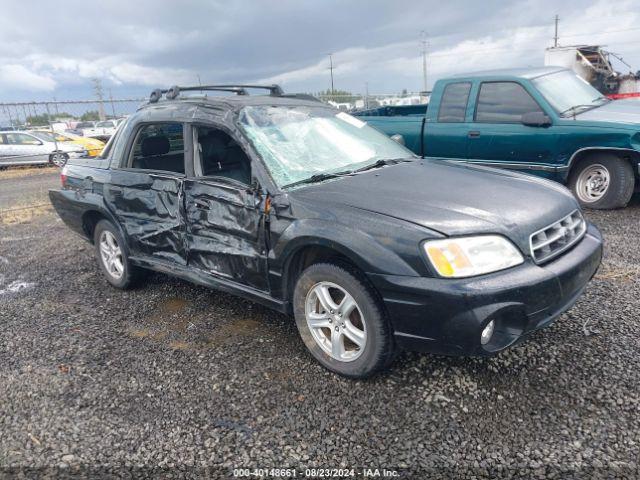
(45, 119)
(340, 96)
(90, 116)
(38, 120)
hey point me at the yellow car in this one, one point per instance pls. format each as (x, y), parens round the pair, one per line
(91, 145)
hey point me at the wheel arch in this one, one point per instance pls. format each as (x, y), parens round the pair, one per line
(630, 155)
(90, 219)
(314, 253)
(311, 252)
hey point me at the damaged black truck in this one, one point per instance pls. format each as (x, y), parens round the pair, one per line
(290, 203)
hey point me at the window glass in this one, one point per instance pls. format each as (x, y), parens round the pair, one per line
(46, 136)
(504, 102)
(115, 147)
(2, 142)
(22, 139)
(85, 125)
(453, 105)
(569, 93)
(159, 147)
(219, 155)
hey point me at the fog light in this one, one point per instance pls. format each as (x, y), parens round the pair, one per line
(486, 334)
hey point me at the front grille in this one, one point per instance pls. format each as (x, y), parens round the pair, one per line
(551, 241)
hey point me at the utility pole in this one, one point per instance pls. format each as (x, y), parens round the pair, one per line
(331, 69)
(555, 38)
(97, 89)
(366, 95)
(113, 108)
(425, 45)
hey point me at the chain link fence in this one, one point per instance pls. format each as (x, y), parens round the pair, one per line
(38, 114)
(49, 132)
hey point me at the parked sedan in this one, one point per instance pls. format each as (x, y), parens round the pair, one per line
(25, 148)
(93, 146)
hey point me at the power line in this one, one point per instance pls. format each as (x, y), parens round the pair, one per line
(510, 48)
(602, 33)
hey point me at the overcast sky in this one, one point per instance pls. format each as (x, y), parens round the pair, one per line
(53, 49)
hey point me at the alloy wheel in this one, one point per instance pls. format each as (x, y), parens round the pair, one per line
(59, 159)
(111, 255)
(336, 321)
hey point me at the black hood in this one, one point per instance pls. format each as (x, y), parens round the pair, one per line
(449, 198)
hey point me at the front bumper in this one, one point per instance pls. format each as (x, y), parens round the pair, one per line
(446, 316)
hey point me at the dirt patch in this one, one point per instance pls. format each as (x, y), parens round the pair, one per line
(18, 172)
(173, 323)
(230, 332)
(25, 213)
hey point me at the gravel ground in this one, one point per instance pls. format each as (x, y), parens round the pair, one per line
(177, 379)
(27, 186)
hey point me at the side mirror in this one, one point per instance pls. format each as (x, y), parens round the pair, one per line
(398, 138)
(535, 119)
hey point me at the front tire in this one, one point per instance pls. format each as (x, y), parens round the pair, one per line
(113, 257)
(341, 321)
(602, 181)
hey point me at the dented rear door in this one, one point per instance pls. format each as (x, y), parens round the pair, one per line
(225, 231)
(148, 206)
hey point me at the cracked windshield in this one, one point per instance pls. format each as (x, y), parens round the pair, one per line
(298, 142)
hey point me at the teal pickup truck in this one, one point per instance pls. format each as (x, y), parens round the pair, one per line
(545, 121)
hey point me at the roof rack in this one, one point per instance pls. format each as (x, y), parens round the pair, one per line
(174, 91)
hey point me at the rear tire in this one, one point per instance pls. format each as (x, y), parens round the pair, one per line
(59, 159)
(113, 256)
(602, 181)
(347, 332)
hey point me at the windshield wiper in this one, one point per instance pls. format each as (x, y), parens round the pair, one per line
(382, 163)
(586, 107)
(318, 177)
(574, 108)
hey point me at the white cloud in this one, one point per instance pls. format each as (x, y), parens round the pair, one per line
(141, 75)
(18, 77)
(113, 68)
(515, 47)
(286, 42)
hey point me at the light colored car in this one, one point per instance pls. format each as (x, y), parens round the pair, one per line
(92, 145)
(101, 130)
(25, 148)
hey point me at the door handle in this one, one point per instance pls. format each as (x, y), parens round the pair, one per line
(473, 134)
(202, 204)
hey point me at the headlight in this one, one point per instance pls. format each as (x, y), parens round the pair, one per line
(469, 256)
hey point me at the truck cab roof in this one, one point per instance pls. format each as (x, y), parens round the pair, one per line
(528, 73)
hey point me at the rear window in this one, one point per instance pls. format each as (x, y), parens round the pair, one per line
(453, 105)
